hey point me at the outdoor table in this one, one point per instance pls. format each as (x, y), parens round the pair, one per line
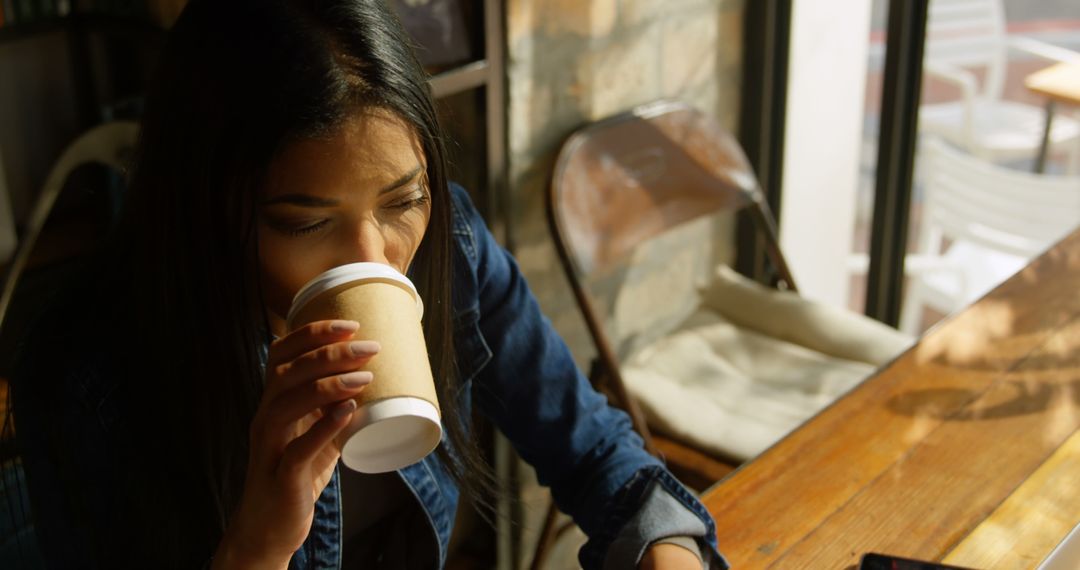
(1059, 84)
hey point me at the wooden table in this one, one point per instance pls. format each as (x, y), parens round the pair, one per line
(965, 449)
(1059, 84)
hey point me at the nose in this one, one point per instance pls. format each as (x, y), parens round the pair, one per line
(370, 244)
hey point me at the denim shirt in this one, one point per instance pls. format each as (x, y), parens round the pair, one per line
(519, 373)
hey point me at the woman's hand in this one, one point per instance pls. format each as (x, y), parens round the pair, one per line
(666, 556)
(311, 378)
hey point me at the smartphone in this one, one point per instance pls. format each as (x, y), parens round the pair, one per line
(872, 561)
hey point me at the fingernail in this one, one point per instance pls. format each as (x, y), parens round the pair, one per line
(363, 347)
(343, 410)
(344, 326)
(356, 379)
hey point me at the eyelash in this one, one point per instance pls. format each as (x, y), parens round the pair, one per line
(401, 206)
(308, 229)
(411, 202)
(418, 199)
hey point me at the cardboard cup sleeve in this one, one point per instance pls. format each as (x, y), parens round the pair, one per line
(397, 421)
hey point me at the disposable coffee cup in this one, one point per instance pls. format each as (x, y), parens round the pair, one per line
(396, 422)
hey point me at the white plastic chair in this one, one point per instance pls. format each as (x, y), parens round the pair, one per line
(104, 144)
(964, 36)
(981, 224)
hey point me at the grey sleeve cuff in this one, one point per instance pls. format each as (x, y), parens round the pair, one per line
(660, 517)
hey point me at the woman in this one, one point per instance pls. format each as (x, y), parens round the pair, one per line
(189, 428)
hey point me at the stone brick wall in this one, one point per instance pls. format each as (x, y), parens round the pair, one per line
(570, 62)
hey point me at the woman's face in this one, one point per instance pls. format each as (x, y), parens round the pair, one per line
(360, 195)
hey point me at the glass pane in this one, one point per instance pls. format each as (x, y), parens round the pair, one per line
(980, 211)
(858, 261)
(830, 136)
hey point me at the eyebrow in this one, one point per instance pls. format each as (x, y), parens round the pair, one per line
(310, 201)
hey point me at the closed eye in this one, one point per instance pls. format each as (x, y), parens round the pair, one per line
(308, 229)
(419, 199)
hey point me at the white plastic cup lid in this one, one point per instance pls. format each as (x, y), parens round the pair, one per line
(346, 274)
(391, 434)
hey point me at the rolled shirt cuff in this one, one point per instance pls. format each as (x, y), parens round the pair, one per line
(661, 519)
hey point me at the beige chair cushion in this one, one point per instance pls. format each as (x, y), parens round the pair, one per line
(732, 390)
(785, 315)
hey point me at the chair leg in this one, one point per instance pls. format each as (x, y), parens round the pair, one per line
(547, 537)
(912, 310)
(1072, 168)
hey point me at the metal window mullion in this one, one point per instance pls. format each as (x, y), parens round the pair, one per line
(896, 157)
(764, 110)
(497, 105)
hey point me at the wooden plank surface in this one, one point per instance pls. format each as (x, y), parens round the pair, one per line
(916, 457)
(1032, 521)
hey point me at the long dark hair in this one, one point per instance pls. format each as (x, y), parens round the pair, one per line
(238, 81)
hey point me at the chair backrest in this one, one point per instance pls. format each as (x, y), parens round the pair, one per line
(621, 182)
(1007, 210)
(648, 184)
(624, 180)
(106, 144)
(970, 34)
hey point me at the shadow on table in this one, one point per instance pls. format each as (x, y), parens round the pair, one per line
(958, 404)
